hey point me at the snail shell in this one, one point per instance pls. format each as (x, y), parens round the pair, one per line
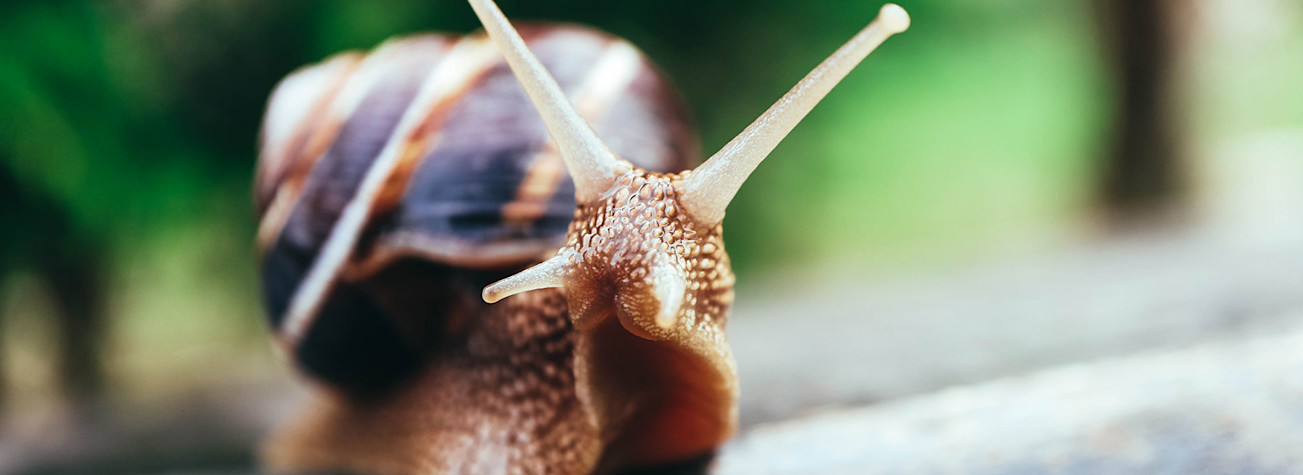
(385, 178)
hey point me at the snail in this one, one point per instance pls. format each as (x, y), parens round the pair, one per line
(459, 304)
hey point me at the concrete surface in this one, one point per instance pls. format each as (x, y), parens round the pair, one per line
(841, 344)
(1223, 407)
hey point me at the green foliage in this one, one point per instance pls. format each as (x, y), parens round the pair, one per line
(135, 124)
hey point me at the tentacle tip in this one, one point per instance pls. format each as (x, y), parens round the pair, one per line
(894, 18)
(492, 294)
(547, 274)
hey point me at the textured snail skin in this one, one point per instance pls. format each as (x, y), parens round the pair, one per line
(502, 400)
(660, 389)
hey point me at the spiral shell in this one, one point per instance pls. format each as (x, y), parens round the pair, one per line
(385, 178)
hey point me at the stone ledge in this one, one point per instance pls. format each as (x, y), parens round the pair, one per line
(1223, 407)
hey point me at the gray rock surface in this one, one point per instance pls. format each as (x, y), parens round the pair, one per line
(841, 343)
(1222, 407)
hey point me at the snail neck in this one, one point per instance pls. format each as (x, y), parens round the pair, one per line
(653, 401)
(499, 394)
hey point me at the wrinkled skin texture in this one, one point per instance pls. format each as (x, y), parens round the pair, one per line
(502, 400)
(657, 391)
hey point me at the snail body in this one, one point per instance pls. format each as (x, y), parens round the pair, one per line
(394, 186)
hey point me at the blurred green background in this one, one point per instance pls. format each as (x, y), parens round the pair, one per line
(128, 141)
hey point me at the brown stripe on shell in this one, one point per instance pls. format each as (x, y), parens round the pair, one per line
(294, 111)
(423, 137)
(417, 147)
(463, 64)
(610, 76)
(360, 119)
(287, 156)
(569, 53)
(489, 139)
(414, 54)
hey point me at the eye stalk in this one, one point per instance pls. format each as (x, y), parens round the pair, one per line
(547, 274)
(651, 242)
(714, 183)
(591, 164)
